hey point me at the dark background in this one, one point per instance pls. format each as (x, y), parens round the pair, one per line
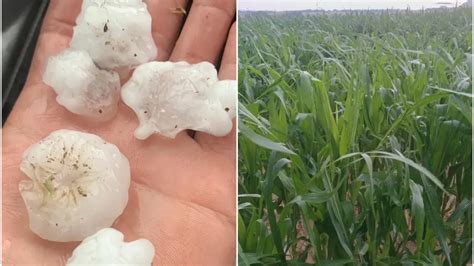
(21, 22)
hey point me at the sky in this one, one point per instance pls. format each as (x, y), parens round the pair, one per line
(279, 5)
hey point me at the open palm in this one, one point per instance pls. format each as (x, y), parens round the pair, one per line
(182, 195)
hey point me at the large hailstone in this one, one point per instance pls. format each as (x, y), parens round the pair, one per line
(78, 185)
(107, 247)
(83, 88)
(170, 97)
(115, 33)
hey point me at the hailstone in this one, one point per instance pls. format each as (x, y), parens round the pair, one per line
(107, 247)
(115, 33)
(78, 185)
(170, 97)
(81, 87)
(227, 93)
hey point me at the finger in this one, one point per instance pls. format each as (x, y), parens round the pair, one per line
(227, 71)
(205, 31)
(167, 20)
(228, 64)
(57, 25)
(61, 15)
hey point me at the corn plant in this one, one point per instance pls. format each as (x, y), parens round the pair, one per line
(355, 138)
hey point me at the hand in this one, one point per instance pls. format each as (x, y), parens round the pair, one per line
(182, 195)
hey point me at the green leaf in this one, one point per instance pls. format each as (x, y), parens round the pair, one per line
(314, 197)
(262, 141)
(418, 210)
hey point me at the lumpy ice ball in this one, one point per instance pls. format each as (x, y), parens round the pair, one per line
(107, 247)
(82, 88)
(78, 184)
(227, 92)
(115, 33)
(171, 97)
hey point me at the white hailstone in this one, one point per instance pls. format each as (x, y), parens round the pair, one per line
(83, 88)
(78, 185)
(115, 33)
(170, 97)
(106, 247)
(227, 93)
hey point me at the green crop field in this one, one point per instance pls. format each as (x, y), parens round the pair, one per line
(355, 138)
